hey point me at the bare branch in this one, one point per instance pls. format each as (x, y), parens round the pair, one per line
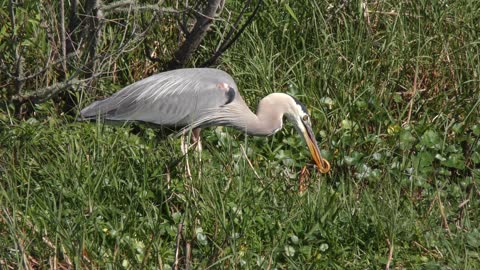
(92, 31)
(229, 40)
(204, 20)
(129, 5)
(11, 10)
(31, 76)
(176, 263)
(183, 26)
(188, 255)
(62, 36)
(390, 254)
(237, 21)
(49, 91)
(185, 16)
(73, 24)
(4, 68)
(18, 56)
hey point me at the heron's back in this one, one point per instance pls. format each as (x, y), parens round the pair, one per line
(174, 98)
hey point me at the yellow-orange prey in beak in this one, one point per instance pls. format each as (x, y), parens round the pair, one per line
(323, 165)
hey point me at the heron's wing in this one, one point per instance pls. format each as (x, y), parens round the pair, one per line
(174, 98)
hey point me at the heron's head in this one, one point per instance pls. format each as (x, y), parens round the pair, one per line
(299, 116)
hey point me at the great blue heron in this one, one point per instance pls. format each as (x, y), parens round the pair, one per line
(196, 98)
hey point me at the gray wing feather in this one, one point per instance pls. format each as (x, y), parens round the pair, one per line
(174, 98)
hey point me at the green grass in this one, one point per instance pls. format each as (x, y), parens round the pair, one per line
(394, 97)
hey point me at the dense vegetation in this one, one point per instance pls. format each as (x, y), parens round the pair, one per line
(393, 88)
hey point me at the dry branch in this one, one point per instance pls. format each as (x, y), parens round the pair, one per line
(194, 38)
(92, 32)
(63, 36)
(249, 162)
(18, 55)
(230, 38)
(4, 68)
(188, 255)
(128, 5)
(45, 93)
(176, 263)
(73, 24)
(390, 254)
(444, 217)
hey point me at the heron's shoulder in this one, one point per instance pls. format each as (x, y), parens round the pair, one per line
(203, 74)
(190, 80)
(189, 72)
(217, 74)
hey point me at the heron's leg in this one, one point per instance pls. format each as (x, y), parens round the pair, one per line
(184, 148)
(196, 139)
(197, 142)
(182, 143)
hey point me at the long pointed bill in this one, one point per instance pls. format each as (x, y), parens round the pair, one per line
(322, 164)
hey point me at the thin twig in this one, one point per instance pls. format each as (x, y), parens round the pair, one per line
(393, 13)
(196, 35)
(188, 255)
(414, 92)
(23, 78)
(461, 205)
(431, 253)
(270, 261)
(62, 36)
(366, 14)
(249, 162)
(237, 21)
(177, 246)
(390, 254)
(128, 5)
(49, 91)
(444, 217)
(228, 42)
(431, 206)
(18, 51)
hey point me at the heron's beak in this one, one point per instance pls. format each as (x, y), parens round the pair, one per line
(322, 164)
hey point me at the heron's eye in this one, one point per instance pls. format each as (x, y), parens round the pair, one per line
(305, 117)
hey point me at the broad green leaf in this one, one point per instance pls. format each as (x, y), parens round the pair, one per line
(423, 161)
(476, 130)
(473, 238)
(306, 250)
(431, 139)
(397, 98)
(456, 161)
(353, 158)
(406, 140)
(458, 128)
(476, 157)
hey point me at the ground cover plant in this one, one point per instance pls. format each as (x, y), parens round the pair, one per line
(393, 89)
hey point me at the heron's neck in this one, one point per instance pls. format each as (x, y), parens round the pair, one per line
(269, 116)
